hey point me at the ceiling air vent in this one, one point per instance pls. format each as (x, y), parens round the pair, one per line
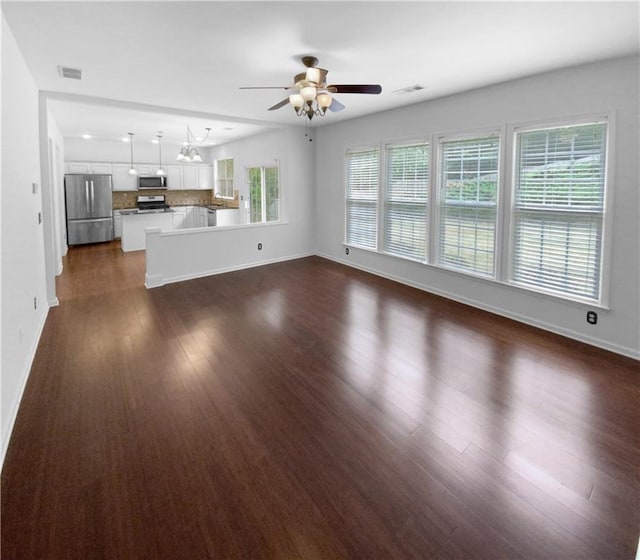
(73, 73)
(409, 89)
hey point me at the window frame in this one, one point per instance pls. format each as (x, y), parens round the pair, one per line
(362, 149)
(493, 132)
(263, 194)
(602, 301)
(384, 197)
(226, 177)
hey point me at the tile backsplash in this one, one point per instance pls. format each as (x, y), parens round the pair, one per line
(127, 199)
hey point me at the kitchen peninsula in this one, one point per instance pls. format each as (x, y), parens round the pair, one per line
(134, 224)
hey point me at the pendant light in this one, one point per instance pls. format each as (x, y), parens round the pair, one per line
(132, 170)
(159, 137)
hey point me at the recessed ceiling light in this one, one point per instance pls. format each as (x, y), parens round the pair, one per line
(154, 141)
(86, 136)
(125, 139)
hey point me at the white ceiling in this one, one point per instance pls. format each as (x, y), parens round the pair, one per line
(150, 66)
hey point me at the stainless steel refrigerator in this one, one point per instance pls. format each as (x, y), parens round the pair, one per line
(89, 208)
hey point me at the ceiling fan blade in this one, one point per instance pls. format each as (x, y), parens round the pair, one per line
(265, 87)
(355, 88)
(335, 106)
(280, 104)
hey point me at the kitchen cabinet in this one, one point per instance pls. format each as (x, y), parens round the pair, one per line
(146, 169)
(117, 224)
(189, 177)
(188, 217)
(88, 167)
(205, 176)
(227, 217)
(197, 176)
(174, 176)
(122, 179)
(185, 177)
(179, 217)
(133, 228)
(201, 216)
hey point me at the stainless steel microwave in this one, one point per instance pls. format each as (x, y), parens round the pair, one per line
(152, 182)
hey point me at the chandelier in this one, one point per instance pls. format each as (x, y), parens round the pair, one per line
(188, 153)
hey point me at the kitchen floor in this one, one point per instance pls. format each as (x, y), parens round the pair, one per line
(309, 410)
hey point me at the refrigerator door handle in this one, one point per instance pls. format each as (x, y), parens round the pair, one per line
(93, 195)
(86, 192)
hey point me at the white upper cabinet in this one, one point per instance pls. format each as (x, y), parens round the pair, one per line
(122, 180)
(185, 177)
(146, 169)
(88, 167)
(205, 177)
(189, 177)
(197, 177)
(174, 176)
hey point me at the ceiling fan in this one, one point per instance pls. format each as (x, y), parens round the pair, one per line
(310, 95)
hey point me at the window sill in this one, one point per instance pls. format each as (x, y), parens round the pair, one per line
(551, 296)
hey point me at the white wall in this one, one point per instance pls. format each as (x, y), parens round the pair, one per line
(23, 271)
(173, 256)
(56, 186)
(610, 86)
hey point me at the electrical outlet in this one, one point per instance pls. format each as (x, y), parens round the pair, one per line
(34, 188)
(39, 218)
(35, 303)
(346, 250)
(592, 317)
(259, 246)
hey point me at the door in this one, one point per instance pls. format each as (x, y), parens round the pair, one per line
(89, 231)
(77, 197)
(101, 197)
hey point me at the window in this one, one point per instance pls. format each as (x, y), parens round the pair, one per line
(558, 209)
(467, 204)
(405, 204)
(264, 194)
(224, 177)
(548, 238)
(362, 198)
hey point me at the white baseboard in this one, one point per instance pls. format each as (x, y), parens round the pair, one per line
(25, 377)
(157, 280)
(593, 341)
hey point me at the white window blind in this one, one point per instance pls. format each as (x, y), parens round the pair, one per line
(558, 210)
(406, 195)
(362, 198)
(467, 204)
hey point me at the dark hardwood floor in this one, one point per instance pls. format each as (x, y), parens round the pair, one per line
(308, 410)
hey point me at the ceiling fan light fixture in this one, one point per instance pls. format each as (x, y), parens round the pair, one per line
(296, 101)
(314, 76)
(308, 93)
(324, 100)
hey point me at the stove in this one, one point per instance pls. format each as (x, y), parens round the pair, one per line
(151, 203)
